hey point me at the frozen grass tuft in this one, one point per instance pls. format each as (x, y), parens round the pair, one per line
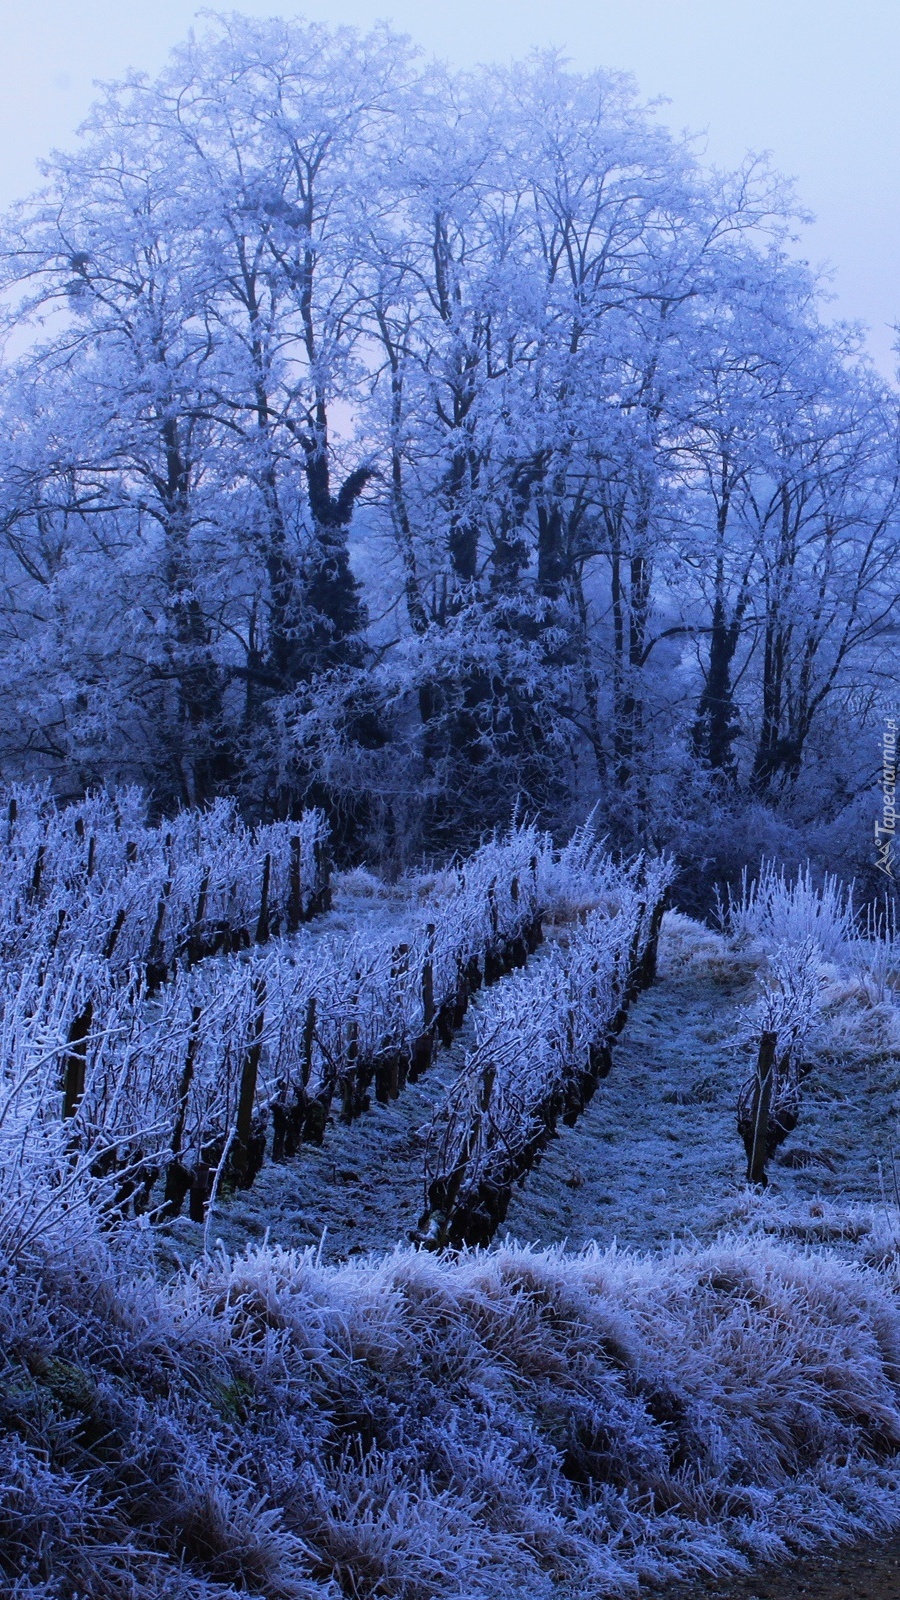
(558, 1424)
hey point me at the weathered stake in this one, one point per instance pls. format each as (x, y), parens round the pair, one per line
(762, 1101)
(295, 900)
(195, 940)
(428, 980)
(112, 938)
(156, 967)
(187, 1073)
(309, 1038)
(262, 926)
(35, 886)
(250, 1070)
(76, 1060)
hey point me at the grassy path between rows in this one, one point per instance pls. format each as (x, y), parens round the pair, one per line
(657, 1157)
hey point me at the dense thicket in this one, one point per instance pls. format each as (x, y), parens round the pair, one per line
(406, 442)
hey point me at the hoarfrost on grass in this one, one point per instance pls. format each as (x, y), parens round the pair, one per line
(561, 1423)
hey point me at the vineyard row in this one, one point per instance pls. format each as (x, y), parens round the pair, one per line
(175, 1086)
(542, 1046)
(94, 878)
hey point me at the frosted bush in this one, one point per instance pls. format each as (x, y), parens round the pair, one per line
(791, 1002)
(580, 876)
(783, 1022)
(780, 911)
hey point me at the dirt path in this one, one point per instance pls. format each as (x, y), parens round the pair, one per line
(865, 1572)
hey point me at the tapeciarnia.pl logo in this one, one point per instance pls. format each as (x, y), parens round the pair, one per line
(886, 828)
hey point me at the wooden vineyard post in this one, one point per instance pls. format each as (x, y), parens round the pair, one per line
(112, 938)
(295, 900)
(187, 1073)
(178, 1181)
(262, 925)
(633, 975)
(351, 1096)
(243, 1160)
(428, 980)
(35, 885)
(75, 1061)
(651, 949)
(195, 939)
(57, 931)
(156, 967)
(309, 1039)
(762, 1101)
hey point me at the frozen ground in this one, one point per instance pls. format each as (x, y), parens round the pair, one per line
(656, 1156)
(867, 1571)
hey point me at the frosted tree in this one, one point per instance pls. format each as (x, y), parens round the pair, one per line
(408, 442)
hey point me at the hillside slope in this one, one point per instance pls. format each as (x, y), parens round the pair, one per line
(415, 1428)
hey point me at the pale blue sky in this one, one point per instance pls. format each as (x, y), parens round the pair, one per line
(816, 82)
